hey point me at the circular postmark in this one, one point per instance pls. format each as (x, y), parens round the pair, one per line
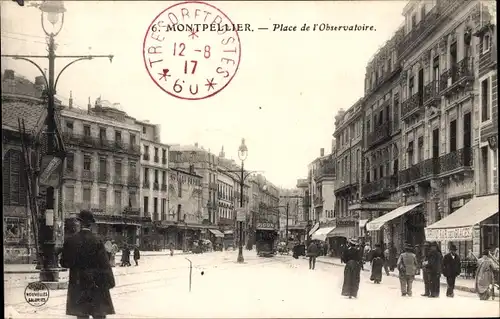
(36, 294)
(192, 50)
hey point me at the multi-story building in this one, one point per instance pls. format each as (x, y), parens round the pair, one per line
(315, 193)
(291, 216)
(381, 137)
(102, 167)
(302, 186)
(154, 180)
(349, 137)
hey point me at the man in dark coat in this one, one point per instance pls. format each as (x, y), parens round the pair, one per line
(425, 272)
(312, 253)
(434, 267)
(90, 274)
(137, 255)
(451, 269)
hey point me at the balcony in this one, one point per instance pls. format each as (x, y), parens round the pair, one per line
(381, 187)
(134, 149)
(103, 177)
(87, 141)
(156, 159)
(411, 106)
(432, 98)
(459, 77)
(133, 181)
(164, 161)
(70, 138)
(318, 201)
(325, 171)
(119, 179)
(87, 175)
(156, 186)
(145, 184)
(455, 162)
(379, 135)
(421, 172)
(145, 157)
(69, 174)
(163, 187)
(102, 142)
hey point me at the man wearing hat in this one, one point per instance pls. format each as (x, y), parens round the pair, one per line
(407, 268)
(434, 268)
(451, 269)
(90, 274)
(425, 273)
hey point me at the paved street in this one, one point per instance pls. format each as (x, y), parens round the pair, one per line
(262, 287)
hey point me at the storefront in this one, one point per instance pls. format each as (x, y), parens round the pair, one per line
(398, 227)
(322, 233)
(470, 227)
(297, 233)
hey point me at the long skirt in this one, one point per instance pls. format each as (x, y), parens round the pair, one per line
(351, 279)
(377, 265)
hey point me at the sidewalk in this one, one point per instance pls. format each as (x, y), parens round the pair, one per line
(30, 268)
(462, 284)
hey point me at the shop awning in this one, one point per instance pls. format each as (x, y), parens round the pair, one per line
(459, 224)
(322, 233)
(315, 228)
(343, 231)
(216, 232)
(228, 232)
(362, 222)
(377, 223)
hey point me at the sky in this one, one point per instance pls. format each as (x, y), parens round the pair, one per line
(283, 97)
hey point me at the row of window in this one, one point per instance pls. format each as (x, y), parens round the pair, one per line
(156, 157)
(353, 131)
(118, 200)
(87, 131)
(155, 205)
(103, 164)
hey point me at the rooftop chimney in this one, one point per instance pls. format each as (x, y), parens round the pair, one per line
(10, 79)
(39, 85)
(89, 106)
(9, 75)
(196, 144)
(70, 103)
(321, 152)
(222, 154)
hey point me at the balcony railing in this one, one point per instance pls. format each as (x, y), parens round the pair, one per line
(409, 106)
(164, 187)
(145, 184)
(380, 134)
(156, 186)
(132, 211)
(119, 179)
(318, 201)
(103, 142)
(456, 160)
(135, 149)
(145, 157)
(133, 181)
(383, 185)
(103, 177)
(431, 93)
(87, 175)
(458, 76)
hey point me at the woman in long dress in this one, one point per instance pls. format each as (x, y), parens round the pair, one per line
(352, 258)
(485, 276)
(377, 261)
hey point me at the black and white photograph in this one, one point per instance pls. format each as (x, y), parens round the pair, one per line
(250, 159)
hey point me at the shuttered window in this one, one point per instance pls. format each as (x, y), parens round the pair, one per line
(14, 184)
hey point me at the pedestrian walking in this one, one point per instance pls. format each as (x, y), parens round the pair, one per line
(386, 260)
(109, 248)
(90, 274)
(377, 262)
(366, 251)
(171, 246)
(137, 255)
(125, 256)
(425, 272)
(352, 258)
(485, 276)
(407, 268)
(113, 254)
(312, 253)
(434, 267)
(451, 269)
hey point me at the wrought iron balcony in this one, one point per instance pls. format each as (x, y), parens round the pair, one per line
(164, 187)
(380, 134)
(133, 181)
(381, 186)
(134, 149)
(87, 175)
(102, 142)
(145, 157)
(458, 77)
(420, 172)
(431, 94)
(69, 174)
(411, 106)
(70, 138)
(146, 184)
(456, 161)
(318, 201)
(103, 177)
(87, 140)
(119, 179)
(423, 28)
(156, 186)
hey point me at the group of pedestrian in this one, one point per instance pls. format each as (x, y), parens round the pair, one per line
(125, 262)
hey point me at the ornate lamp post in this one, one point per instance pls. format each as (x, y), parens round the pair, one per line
(53, 12)
(242, 154)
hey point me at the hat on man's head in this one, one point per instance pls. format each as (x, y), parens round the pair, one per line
(427, 243)
(434, 243)
(408, 247)
(353, 241)
(86, 217)
(453, 247)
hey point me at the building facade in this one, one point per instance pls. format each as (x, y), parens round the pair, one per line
(348, 159)
(302, 187)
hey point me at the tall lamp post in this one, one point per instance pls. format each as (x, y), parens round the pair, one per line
(53, 12)
(287, 210)
(242, 154)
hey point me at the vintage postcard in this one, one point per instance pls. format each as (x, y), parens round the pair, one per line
(250, 159)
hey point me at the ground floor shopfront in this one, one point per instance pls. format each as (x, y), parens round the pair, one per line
(180, 235)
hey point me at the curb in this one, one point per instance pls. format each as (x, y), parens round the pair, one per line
(457, 287)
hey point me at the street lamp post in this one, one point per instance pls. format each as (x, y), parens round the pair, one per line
(242, 154)
(53, 11)
(287, 210)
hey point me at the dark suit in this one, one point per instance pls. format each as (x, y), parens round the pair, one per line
(90, 276)
(451, 269)
(435, 260)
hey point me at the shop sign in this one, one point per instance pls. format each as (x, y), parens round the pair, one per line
(265, 225)
(461, 233)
